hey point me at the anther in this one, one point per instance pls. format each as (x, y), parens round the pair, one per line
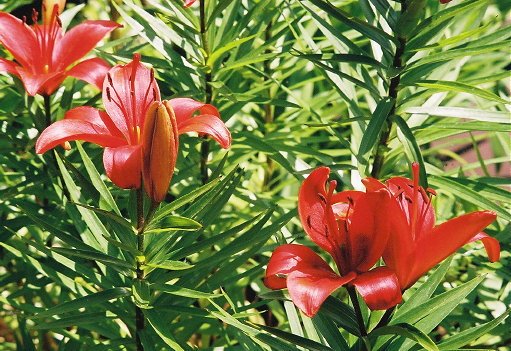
(108, 94)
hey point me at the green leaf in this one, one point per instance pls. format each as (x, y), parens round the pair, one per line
(79, 320)
(370, 138)
(172, 223)
(183, 200)
(468, 192)
(436, 308)
(182, 291)
(409, 332)
(121, 266)
(467, 336)
(442, 85)
(369, 31)
(294, 339)
(426, 290)
(85, 302)
(161, 327)
(171, 265)
(461, 112)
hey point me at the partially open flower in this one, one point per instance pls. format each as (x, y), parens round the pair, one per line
(159, 149)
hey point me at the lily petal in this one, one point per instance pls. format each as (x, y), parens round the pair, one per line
(19, 39)
(312, 208)
(369, 229)
(310, 287)
(80, 40)
(127, 93)
(40, 83)
(210, 125)
(123, 165)
(8, 66)
(92, 71)
(445, 239)
(94, 116)
(185, 108)
(491, 245)
(289, 258)
(379, 288)
(71, 129)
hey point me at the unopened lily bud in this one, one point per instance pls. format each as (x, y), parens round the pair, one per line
(159, 150)
(51, 9)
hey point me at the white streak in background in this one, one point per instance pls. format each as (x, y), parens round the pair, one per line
(355, 178)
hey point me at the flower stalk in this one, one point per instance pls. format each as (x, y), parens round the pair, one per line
(139, 314)
(204, 150)
(397, 63)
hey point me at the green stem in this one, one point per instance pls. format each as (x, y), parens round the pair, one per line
(207, 89)
(385, 318)
(139, 314)
(379, 158)
(268, 108)
(358, 312)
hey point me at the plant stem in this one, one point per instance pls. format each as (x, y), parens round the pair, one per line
(207, 89)
(358, 313)
(268, 108)
(397, 63)
(385, 318)
(139, 315)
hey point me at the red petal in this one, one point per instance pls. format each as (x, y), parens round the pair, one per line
(92, 71)
(208, 124)
(379, 288)
(184, 108)
(445, 239)
(94, 116)
(310, 287)
(19, 39)
(44, 83)
(288, 258)
(312, 208)
(123, 165)
(369, 229)
(67, 130)
(79, 41)
(491, 245)
(189, 3)
(127, 94)
(8, 66)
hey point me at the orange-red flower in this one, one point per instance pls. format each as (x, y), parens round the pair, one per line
(353, 227)
(44, 56)
(128, 93)
(416, 245)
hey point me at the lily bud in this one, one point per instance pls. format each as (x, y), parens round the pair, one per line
(159, 149)
(52, 8)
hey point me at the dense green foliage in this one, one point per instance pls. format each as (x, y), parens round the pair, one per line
(300, 83)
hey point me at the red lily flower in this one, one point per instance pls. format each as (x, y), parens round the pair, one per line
(44, 54)
(416, 244)
(353, 227)
(128, 93)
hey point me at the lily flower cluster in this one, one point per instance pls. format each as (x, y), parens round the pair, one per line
(139, 131)
(394, 221)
